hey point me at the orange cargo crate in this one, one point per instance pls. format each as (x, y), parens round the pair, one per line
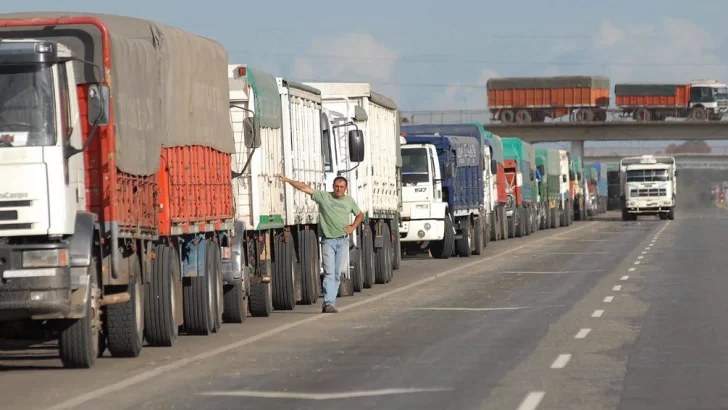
(548, 92)
(666, 95)
(195, 189)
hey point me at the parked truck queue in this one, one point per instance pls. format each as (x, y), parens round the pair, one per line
(141, 198)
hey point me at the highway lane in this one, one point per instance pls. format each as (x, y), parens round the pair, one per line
(462, 333)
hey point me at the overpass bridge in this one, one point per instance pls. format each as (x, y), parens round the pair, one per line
(716, 159)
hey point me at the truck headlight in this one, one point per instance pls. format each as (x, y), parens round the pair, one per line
(45, 258)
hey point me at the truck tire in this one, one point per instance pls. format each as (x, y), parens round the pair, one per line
(671, 214)
(215, 262)
(463, 245)
(369, 260)
(518, 222)
(443, 249)
(199, 300)
(283, 280)
(478, 233)
(384, 257)
(698, 114)
(309, 266)
(358, 271)
(396, 252)
(504, 222)
(512, 224)
(125, 321)
(494, 225)
(235, 304)
(160, 299)
(554, 220)
(78, 343)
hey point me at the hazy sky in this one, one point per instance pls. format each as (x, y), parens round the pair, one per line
(426, 55)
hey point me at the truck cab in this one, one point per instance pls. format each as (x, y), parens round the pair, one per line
(710, 94)
(649, 186)
(566, 175)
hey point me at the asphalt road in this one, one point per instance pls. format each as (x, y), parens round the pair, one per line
(602, 315)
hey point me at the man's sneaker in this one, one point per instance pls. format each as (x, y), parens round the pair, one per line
(329, 309)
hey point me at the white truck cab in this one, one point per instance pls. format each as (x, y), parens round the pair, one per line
(423, 206)
(649, 185)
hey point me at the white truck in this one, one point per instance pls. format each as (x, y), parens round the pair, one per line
(566, 174)
(374, 183)
(649, 186)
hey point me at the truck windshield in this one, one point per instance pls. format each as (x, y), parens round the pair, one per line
(647, 175)
(26, 106)
(721, 92)
(414, 166)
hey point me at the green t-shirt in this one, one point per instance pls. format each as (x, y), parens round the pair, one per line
(334, 212)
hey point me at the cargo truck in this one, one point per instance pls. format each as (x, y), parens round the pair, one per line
(520, 173)
(496, 220)
(649, 186)
(566, 188)
(700, 100)
(522, 100)
(591, 180)
(549, 166)
(361, 142)
(578, 188)
(443, 194)
(116, 150)
(601, 187)
(614, 188)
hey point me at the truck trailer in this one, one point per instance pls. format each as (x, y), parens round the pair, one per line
(701, 100)
(443, 194)
(548, 165)
(118, 199)
(520, 172)
(522, 100)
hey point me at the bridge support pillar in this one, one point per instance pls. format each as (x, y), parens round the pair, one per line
(577, 148)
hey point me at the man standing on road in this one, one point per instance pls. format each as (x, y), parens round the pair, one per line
(334, 210)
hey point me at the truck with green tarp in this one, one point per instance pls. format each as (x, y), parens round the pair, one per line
(520, 171)
(548, 165)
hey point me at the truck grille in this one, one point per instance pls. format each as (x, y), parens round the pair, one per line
(650, 192)
(10, 227)
(723, 103)
(14, 204)
(8, 215)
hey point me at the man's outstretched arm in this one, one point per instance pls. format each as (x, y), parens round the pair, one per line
(298, 185)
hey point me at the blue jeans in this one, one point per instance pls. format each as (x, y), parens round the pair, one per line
(334, 257)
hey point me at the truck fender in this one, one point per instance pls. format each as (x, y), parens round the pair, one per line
(439, 210)
(80, 245)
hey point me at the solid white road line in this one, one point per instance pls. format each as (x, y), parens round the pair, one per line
(532, 401)
(561, 361)
(582, 333)
(318, 396)
(470, 309)
(150, 374)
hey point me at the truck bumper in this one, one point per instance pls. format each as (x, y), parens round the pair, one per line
(40, 293)
(648, 208)
(422, 230)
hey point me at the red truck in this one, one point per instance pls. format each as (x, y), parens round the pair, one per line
(700, 100)
(522, 100)
(117, 207)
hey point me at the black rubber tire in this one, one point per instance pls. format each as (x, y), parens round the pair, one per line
(125, 321)
(160, 321)
(443, 249)
(671, 214)
(78, 344)
(215, 266)
(369, 259)
(518, 215)
(199, 300)
(478, 232)
(396, 252)
(308, 266)
(494, 233)
(384, 257)
(283, 281)
(358, 271)
(261, 300)
(235, 304)
(463, 245)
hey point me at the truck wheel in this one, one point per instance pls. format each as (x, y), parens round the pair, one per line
(358, 271)
(554, 220)
(125, 321)
(199, 299)
(494, 226)
(698, 114)
(512, 224)
(463, 245)
(160, 299)
(504, 222)
(78, 344)
(478, 233)
(671, 214)
(215, 263)
(283, 280)
(369, 260)
(519, 222)
(384, 257)
(261, 294)
(309, 266)
(396, 252)
(235, 304)
(443, 249)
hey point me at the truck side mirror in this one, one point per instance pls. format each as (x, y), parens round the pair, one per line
(356, 145)
(98, 99)
(493, 166)
(251, 132)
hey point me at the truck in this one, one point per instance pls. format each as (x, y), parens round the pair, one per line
(443, 194)
(614, 188)
(495, 179)
(602, 186)
(523, 100)
(700, 100)
(549, 166)
(566, 188)
(520, 173)
(361, 142)
(117, 195)
(649, 186)
(578, 188)
(591, 180)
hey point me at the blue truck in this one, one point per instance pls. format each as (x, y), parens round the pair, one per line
(442, 195)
